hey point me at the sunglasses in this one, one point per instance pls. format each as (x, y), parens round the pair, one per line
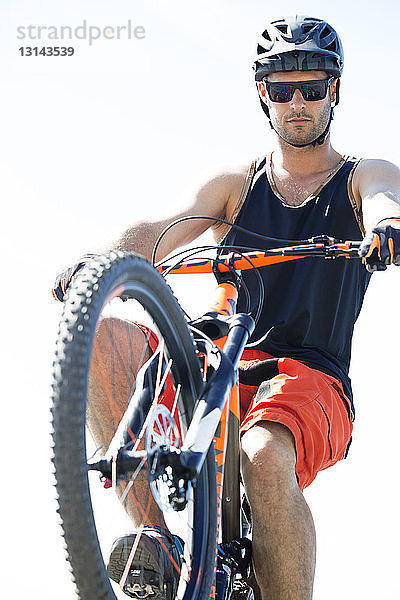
(310, 90)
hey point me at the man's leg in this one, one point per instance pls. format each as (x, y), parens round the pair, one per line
(120, 349)
(284, 533)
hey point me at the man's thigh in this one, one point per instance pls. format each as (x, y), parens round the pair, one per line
(312, 406)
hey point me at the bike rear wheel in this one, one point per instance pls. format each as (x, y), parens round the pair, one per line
(118, 314)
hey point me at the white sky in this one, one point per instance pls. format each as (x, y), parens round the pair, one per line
(120, 131)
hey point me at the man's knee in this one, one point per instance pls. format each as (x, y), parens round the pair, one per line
(268, 457)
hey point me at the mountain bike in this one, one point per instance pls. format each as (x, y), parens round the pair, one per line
(144, 398)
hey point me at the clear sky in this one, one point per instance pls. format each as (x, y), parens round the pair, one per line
(122, 131)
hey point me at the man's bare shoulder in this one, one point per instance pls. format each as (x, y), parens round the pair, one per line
(227, 178)
(374, 165)
(216, 191)
(371, 174)
(221, 193)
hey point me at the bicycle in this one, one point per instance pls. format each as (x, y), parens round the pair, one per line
(179, 431)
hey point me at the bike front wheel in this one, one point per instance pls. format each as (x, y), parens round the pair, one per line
(118, 315)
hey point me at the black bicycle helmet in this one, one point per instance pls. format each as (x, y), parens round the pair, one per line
(299, 43)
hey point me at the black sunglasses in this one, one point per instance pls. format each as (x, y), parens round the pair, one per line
(310, 90)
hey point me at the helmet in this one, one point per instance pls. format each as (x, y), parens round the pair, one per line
(299, 43)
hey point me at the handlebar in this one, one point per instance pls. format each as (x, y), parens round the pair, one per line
(321, 246)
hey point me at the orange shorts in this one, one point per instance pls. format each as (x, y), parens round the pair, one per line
(310, 403)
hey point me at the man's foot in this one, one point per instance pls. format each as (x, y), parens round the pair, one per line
(241, 590)
(155, 568)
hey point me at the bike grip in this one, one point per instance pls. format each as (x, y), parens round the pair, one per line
(225, 300)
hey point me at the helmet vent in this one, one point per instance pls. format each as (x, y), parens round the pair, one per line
(332, 47)
(266, 36)
(307, 28)
(325, 32)
(282, 28)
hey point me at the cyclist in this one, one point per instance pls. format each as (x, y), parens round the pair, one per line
(300, 421)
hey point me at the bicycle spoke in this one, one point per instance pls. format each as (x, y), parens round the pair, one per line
(130, 558)
(131, 481)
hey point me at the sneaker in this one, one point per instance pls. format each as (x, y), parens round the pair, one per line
(155, 568)
(241, 590)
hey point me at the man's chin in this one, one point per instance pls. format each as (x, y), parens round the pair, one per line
(299, 138)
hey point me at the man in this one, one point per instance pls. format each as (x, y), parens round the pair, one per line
(300, 421)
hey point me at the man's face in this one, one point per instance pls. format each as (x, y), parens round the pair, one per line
(299, 121)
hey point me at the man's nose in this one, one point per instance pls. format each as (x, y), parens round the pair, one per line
(297, 101)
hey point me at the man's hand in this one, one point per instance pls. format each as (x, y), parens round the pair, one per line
(381, 247)
(63, 280)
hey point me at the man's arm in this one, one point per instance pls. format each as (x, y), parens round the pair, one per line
(217, 197)
(376, 186)
(213, 199)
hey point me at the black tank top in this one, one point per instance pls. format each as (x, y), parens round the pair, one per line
(310, 304)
